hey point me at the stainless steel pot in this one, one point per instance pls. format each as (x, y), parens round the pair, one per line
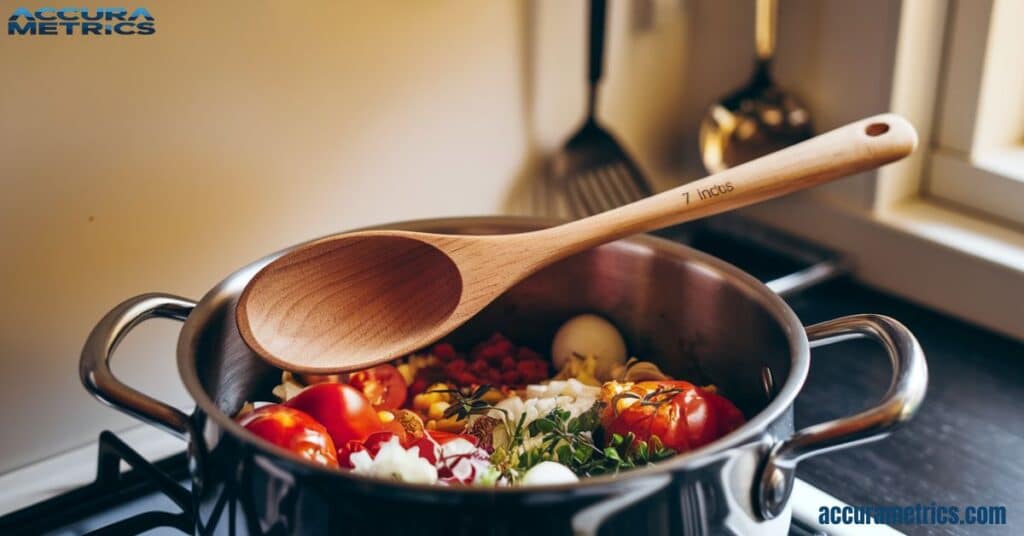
(695, 316)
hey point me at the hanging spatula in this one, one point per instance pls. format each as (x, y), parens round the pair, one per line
(593, 170)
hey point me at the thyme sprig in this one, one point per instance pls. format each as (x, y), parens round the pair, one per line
(655, 398)
(463, 405)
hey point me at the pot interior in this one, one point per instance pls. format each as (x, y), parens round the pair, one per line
(696, 317)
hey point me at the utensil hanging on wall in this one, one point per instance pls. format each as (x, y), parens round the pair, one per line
(759, 118)
(593, 171)
(354, 300)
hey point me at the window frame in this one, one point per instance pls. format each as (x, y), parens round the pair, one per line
(977, 153)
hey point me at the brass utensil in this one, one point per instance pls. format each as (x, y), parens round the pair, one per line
(759, 118)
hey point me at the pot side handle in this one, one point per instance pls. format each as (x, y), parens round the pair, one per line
(94, 366)
(898, 405)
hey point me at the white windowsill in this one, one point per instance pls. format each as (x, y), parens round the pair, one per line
(941, 258)
(959, 231)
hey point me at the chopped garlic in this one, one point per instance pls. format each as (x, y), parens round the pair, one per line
(571, 387)
(570, 395)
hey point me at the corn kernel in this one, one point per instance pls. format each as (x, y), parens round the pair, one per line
(423, 401)
(385, 416)
(408, 373)
(437, 409)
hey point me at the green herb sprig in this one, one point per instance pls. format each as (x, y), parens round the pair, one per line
(572, 441)
(463, 405)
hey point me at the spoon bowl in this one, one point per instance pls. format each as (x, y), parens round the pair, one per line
(355, 300)
(323, 296)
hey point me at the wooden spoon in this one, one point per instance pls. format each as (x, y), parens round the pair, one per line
(354, 300)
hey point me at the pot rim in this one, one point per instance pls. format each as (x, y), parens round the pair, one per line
(751, 431)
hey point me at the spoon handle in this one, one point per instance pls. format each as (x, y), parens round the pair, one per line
(766, 16)
(856, 147)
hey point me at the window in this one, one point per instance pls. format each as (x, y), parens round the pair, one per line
(945, 226)
(977, 158)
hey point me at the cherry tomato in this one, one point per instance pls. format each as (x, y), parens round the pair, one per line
(293, 430)
(383, 385)
(341, 408)
(682, 415)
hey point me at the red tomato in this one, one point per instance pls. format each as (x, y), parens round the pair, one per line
(293, 430)
(682, 415)
(728, 416)
(383, 385)
(341, 408)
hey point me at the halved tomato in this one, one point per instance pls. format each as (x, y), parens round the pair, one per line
(383, 385)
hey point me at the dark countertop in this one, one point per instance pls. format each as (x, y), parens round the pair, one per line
(965, 446)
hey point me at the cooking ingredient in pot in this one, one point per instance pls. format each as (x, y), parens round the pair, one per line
(411, 423)
(547, 473)
(495, 362)
(289, 387)
(452, 458)
(540, 400)
(383, 385)
(293, 430)
(457, 457)
(343, 410)
(681, 415)
(573, 442)
(371, 444)
(589, 335)
(528, 429)
(394, 462)
(634, 370)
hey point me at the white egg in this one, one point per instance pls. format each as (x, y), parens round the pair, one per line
(589, 335)
(546, 473)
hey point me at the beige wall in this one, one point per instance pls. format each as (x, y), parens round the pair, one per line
(162, 163)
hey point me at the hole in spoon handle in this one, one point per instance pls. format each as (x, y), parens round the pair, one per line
(876, 129)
